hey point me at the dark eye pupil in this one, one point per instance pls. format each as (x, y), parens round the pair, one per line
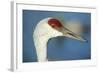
(53, 26)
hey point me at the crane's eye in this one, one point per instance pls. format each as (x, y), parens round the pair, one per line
(54, 23)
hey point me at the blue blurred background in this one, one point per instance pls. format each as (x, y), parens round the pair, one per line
(59, 48)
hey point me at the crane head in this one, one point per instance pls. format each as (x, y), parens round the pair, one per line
(57, 25)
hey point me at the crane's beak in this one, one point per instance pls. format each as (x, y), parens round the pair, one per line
(67, 33)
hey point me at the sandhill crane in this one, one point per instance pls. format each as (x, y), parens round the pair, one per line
(46, 29)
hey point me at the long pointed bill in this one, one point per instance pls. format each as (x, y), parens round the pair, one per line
(67, 33)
